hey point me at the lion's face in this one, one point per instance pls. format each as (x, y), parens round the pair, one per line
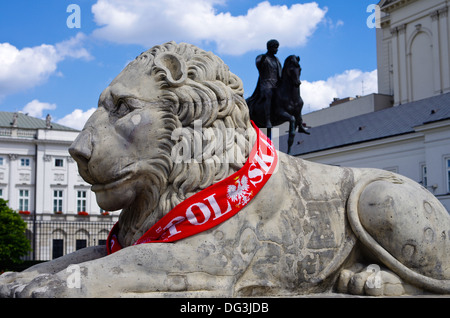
(126, 149)
(120, 140)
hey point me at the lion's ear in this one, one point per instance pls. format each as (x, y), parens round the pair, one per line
(173, 68)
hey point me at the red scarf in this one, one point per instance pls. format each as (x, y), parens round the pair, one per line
(213, 205)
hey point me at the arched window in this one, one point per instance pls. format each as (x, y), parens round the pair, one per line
(58, 243)
(81, 239)
(421, 66)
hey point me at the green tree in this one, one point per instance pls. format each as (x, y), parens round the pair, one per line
(13, 242)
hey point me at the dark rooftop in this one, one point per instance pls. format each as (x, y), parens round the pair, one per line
(28, 122)
(385, 123)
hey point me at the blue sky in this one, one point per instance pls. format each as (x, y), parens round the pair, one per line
(47, 67)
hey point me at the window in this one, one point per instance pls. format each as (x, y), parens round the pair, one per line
(59, 162)
(1, 161)
(1, 193)
(24, 199)
(80, 244)
(424, 176)
(24, 162)
(58, 248)
(57, 200)
(81, 201)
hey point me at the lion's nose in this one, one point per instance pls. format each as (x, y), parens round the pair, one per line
(81, 148)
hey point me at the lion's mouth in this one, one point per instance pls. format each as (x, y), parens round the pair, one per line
(113, 184)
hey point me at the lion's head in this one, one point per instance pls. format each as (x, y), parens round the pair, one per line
(173, 101)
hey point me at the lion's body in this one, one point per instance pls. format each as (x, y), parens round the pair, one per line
(272, 247)
(305, 232)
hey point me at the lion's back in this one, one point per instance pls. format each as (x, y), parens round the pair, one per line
(310, 231)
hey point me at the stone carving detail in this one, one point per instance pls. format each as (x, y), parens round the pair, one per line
(24, 177)
(309, 230)
(58, 177)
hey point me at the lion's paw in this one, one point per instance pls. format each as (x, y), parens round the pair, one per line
(10, 282)
(373, 281)
(44, 285)
(13, 285)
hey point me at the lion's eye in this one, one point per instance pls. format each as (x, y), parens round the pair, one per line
(121, 108)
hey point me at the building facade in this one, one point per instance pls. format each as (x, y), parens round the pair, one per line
(413, 48)
(411, 136)
(40, 180)
(412, 139)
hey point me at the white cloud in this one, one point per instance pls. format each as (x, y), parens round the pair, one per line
(73, 48)
(21, 69)
(333, 25)
(76, 119)
(36, 108)
(318, 95)
(150, 22)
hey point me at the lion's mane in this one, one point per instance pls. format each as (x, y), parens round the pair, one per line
(205, 93)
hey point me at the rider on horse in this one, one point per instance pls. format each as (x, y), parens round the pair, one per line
(277, 99)
(269, 68)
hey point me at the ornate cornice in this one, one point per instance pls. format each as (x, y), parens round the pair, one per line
(388, 6)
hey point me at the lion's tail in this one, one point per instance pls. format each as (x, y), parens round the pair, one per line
(408, 275)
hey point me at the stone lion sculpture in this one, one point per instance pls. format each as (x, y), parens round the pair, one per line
(311, 229)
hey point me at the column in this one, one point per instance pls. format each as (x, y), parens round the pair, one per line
(403, 64)
(72, 173)
(445, 48)
(436, 52)
(12, 193)
(395, 63)
(44, 197)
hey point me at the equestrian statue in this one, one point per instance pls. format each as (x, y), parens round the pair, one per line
(277, 99)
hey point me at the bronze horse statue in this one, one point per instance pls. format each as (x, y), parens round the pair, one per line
(287, 104)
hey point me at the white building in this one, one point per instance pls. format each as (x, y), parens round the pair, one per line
(413, 48)
(40, 180)
(410, 134)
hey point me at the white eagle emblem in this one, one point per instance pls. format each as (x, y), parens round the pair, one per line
(239, 192)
